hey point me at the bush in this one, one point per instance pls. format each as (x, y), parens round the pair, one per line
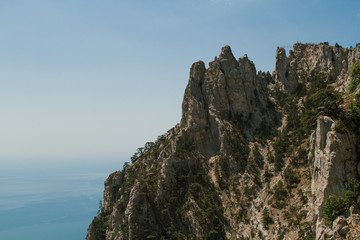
(266, 218)
(236, 146)
(354, 113)
(291, 177)
(352, 193)
(267, 175)
(338, 45)
(336, 206)
(280, 196)
(185, 145)
(340, 127)
(195, 189)
(280, 149)
(355, 76)
(325, 100)
(126, 165)
(333, 207)
(317, 81)
(255, 163)
(142, 150)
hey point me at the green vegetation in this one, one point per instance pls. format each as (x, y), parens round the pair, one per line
(255, 164)
(336, 206)
(99, 225)
(235, 159)
(307, 231)
(151, 148)
(333, 207)
(223, 171)
(338, 45)
(249, 192)
(281, 196)
(291, 143)
(185, 146)
(355, 76)
(291, 177)
(126, 165)
(267, 175)
(353, 114)
(294, 215)
(324, 101)
(242, 214)
(266, 218)
(166, 215)
(140, 151)
(317, 99)
(100, 206)
(340, 127)
(237, 146)
(190, 181)
(282, 232)
(280, 147)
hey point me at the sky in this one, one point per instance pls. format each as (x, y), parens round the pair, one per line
(99, 78)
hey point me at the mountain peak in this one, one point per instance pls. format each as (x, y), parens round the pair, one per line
(255, 155)
(226, 53)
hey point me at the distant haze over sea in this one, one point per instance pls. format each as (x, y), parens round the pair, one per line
(51, 199)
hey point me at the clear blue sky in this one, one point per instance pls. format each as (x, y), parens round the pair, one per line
(99, 78)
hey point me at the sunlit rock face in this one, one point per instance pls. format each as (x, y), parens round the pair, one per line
(228, 89)
(334, 62)
(333, 162)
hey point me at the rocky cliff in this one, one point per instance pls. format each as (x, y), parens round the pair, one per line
(255, 155)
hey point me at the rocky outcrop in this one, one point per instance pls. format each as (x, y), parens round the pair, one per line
(343, 228)
(333, 162)
(229, 89)
(333, 61)
(235, 167)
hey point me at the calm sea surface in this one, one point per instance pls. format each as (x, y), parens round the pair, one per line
(48, 201)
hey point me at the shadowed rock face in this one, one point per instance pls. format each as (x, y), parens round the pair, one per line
(232, 156)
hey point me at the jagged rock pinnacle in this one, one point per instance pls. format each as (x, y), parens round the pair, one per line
(226, 53)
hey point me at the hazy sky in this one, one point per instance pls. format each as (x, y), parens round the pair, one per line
(99, 78)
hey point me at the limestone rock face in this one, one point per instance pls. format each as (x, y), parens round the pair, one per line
(228, 89)
(333, 61)
(333, 161)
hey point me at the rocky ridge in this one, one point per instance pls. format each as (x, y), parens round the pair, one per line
(255, 155)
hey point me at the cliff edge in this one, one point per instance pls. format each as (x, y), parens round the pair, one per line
(255, 155)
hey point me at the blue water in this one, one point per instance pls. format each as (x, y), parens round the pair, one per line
(51, 201)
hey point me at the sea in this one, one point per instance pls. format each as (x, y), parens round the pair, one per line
(51, 200)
